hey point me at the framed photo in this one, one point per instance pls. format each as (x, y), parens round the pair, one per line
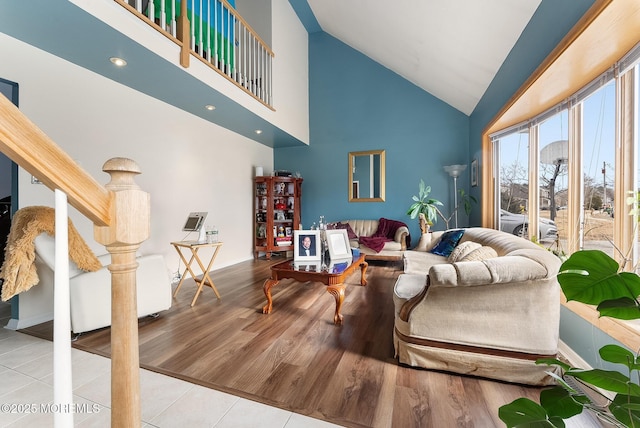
(306, 246)
(338, 243)
(474, 173)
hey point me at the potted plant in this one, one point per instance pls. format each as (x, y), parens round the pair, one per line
(427, 210)
(424, 207)
(594, 278)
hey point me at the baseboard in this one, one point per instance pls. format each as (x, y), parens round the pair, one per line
(17, 324)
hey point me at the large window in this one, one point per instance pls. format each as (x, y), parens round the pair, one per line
(591, 188)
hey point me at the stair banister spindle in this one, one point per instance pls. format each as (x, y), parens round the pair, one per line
(229, 43)
(260, 65)
(209, 31)
(62, 383)
(222, 43)
(174, 19)
(192, 25)
(199, 44)
(163, 14)
(215, 39)
(245, 59)
(270, 95)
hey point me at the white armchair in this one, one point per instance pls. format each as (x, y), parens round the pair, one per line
(90, 292)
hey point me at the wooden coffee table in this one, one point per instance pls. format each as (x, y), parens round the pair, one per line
(332, 278)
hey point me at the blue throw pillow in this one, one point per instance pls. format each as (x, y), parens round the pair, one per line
(448, 242)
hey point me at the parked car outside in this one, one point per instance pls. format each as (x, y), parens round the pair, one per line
(518, 224)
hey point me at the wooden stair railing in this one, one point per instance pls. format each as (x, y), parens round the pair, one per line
(120, 214)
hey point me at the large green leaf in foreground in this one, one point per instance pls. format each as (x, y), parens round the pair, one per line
(592, 277)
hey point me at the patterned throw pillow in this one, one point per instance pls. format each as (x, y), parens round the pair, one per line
(481, 253)
(448, 242)
(462, 250)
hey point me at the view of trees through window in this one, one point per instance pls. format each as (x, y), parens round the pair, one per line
(598, 170)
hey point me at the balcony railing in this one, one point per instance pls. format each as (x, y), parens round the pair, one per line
(216, 34)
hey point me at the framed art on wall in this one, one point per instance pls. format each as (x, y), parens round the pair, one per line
(474, 173)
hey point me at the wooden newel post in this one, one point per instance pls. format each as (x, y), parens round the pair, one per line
(130, 214)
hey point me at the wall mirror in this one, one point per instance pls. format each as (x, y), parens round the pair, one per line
(366, 176)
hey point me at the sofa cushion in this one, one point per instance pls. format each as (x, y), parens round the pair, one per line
(462, 250)
(448, 242)
(481, 253)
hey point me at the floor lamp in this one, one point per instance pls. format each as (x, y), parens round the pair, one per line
(454, 171)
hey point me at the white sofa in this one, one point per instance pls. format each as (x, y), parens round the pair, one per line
(490, 317)
(90, 292)
(392, 250)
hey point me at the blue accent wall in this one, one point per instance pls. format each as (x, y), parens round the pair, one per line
(356, 105)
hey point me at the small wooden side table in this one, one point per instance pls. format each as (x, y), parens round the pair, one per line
(194, 247)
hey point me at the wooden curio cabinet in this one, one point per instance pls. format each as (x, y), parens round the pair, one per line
(276, 213)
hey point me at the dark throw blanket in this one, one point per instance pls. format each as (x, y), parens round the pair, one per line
(386, 232)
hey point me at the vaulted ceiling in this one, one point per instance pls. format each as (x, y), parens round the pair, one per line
(451, 49)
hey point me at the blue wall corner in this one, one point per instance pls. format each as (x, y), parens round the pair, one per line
(355, 105)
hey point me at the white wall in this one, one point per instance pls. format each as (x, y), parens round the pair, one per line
(290, 70)
(187, 164)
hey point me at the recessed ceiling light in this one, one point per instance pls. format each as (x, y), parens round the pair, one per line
(118, 62)
(210, 107)
(258, 131)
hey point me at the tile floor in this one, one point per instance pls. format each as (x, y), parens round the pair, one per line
(26, 377)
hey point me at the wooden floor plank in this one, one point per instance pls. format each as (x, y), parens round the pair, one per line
(295, 358)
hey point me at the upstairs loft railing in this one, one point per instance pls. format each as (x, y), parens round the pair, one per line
(217, 35)
(120, 214)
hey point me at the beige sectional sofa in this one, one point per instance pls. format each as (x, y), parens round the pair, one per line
(392, 250)
(489, 315)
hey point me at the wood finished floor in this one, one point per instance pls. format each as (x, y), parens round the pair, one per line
(296, 359)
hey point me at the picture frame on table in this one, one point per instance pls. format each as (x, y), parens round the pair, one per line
(338, 244)
(306, 246)
(474, 173)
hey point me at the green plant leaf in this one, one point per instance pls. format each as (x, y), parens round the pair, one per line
(619, 355)
(626, 409)
(523, 412)
(591, 276)
(557, 401)
(607, 379)
(623, 308)
(553, 362)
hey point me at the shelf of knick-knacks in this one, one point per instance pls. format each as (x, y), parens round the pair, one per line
(276, 213)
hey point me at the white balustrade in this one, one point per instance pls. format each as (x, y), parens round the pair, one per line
(220, 36)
